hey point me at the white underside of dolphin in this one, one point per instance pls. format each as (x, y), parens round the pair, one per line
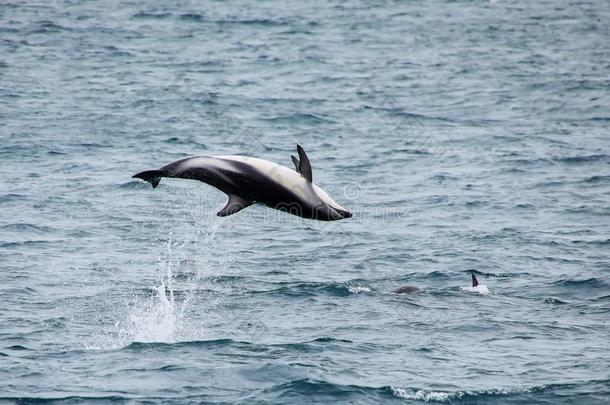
(247, 180)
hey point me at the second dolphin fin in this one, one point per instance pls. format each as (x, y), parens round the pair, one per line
(296, 163)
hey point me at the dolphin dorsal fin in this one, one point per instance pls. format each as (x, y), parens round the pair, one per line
(235, 204)
(304, 165)
(475, 282)
(296, 163)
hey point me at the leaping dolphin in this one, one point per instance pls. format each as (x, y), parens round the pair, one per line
(247, 180)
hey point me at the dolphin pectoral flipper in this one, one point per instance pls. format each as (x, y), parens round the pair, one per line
(151, 176)
(304, 165)
(296, 163)
(235, 204)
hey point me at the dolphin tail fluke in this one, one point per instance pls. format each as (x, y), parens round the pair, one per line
(475, 282)
(151, 176)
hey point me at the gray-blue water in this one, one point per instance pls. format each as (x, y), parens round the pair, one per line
(465, 136)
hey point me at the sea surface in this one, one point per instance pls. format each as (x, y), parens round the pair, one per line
(466, 137)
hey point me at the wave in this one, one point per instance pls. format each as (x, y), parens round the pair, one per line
(47, 26)
(145, 15)
(17, 347)
(69, 399)
(182, 141)
(588, 282)
(602, 242)
(556, 301)
(597, 179)
(317, 390)
(25, 243)
(601, 298)
(300, 118)
(525, 161)
(312, 289)
(25, 227)
(309, 390)
(224, 279)
(19, 290)
(11, 197)
(592, 180)
(320, 390)
(581, 159)
(169, 367)
(399, 112)
(316, 345)
(140, 346)
(488, 274)
(194, 17)
(421, 395)
(264, 22)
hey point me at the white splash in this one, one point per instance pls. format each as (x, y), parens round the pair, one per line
(480, 289)
(421, 395)
(158, 320)
(161, 317)
(357, 289)
(441, 396)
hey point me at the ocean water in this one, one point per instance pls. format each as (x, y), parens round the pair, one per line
(465, 136)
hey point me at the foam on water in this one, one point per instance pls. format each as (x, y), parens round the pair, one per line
(357, 289)
(421, 395)
(479, 289)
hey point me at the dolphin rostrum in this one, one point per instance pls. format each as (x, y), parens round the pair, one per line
(247, 180)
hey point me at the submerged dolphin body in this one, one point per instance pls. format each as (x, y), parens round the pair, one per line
(406, 289)
(248, 180)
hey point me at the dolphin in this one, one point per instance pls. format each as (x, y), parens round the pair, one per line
(406, 289)
(247, 180)
(410, 289)
(477, 287)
